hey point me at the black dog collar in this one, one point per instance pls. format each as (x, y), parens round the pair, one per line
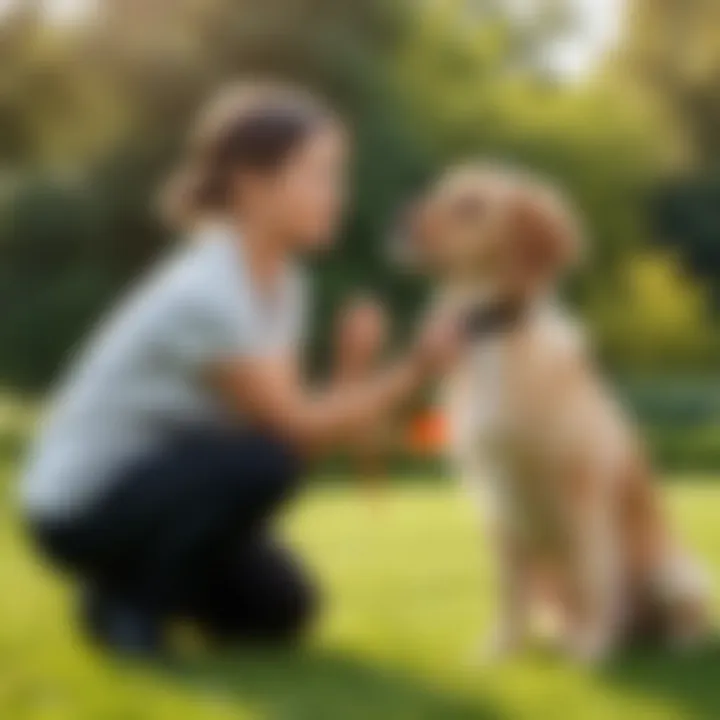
(493, 318)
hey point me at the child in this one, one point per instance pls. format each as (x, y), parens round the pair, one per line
(185, 422)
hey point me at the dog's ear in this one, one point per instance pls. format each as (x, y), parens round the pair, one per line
(547, 236)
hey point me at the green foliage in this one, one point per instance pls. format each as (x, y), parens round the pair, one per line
(687, 219)
(670, 55)
(71, 239)
(92, 118)
(694, 448)
(671, 49)
(657, 318)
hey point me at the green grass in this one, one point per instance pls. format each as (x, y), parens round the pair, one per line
(407, 594)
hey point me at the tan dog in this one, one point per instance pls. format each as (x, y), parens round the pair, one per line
(573, 512)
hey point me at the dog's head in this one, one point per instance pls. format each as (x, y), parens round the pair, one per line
(492, 226)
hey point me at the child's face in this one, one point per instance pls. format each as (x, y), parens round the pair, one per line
(304, 200)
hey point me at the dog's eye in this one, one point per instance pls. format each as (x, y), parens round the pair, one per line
(469, 208)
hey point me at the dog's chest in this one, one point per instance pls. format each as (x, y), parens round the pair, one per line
(477, 399)
(505, 409)
(507, 391)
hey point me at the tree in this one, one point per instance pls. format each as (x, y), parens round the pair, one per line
(157, 62)
(658, 319)
(670, 50)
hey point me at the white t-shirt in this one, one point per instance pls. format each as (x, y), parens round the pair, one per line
(141, 377)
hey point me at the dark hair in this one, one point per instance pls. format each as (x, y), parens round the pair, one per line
(247, 127)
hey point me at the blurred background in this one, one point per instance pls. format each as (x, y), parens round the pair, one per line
(618, 100)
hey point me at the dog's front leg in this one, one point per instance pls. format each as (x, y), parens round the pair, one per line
(485, 480)
(511, 625)
(595, 620)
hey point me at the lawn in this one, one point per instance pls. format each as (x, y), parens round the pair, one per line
(407, 589)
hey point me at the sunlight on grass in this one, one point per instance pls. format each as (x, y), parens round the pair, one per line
(407, 595)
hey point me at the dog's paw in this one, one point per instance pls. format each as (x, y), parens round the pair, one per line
(590, 646)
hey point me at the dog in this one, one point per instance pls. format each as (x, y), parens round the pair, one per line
(572, 510)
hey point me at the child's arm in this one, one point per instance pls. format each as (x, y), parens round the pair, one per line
(360, 339)
(270, 393)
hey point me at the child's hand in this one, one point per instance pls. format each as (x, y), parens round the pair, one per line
(360, 336)
(439, 342)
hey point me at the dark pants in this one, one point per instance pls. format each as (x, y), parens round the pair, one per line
(184, 532)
